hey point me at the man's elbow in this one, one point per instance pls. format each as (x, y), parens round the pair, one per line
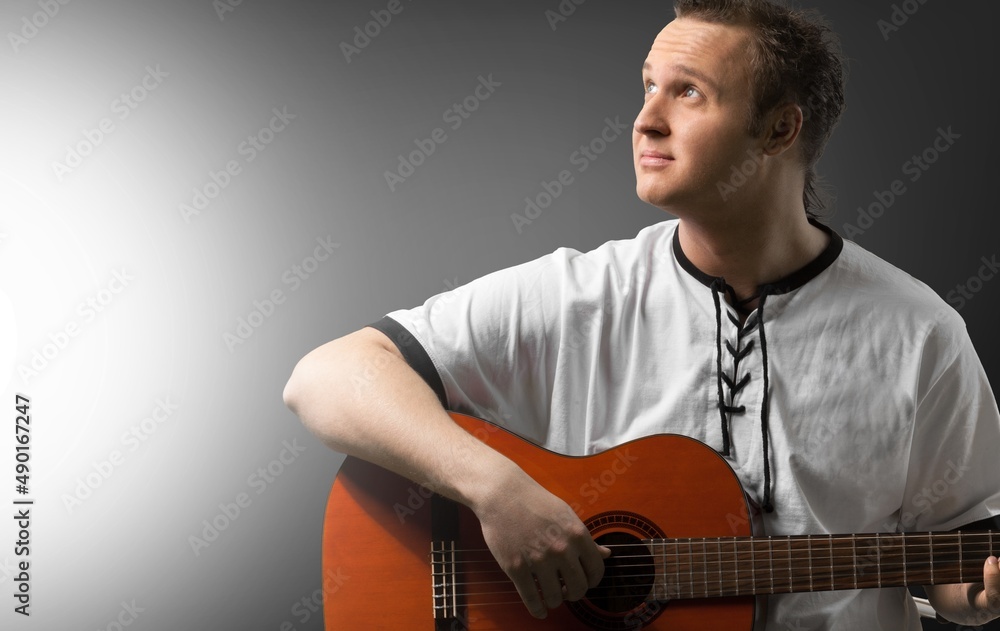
(317, 392)
(301, 391)
(292, 394)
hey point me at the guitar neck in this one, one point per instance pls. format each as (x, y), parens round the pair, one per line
(742, 566)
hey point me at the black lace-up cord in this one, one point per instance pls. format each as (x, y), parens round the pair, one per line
(718, 361)
(767, 505)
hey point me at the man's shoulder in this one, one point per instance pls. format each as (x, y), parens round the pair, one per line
(876, 283)
(651, 241)
(865, 268)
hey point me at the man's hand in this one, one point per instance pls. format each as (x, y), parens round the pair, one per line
(987, 602)
(541, 544)
(969, 603)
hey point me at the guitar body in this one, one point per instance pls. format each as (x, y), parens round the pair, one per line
(378, 538)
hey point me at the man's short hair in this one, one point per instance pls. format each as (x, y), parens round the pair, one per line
(794, 57)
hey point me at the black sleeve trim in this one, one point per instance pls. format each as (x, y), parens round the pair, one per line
(414, 354)
(990, 523)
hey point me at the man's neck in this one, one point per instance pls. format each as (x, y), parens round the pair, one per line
(750, 253)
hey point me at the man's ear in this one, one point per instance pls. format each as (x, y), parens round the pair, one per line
(785, 124)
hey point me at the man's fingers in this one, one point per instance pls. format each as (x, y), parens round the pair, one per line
(548, 582)
(527, 588)
(574, 581)
(991, 587)
(592, 562)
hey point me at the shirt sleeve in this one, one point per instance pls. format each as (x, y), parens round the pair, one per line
(506, 347)
(954, 467)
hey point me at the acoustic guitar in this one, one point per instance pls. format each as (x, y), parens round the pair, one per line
(671, 509)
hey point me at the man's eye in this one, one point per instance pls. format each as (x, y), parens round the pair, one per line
(650, 88)
(691, 89)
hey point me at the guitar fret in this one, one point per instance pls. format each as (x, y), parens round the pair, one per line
(663, 558)
(930, 545)
(736, 563)
(960, 579)
(791, 581)
(677, 567)
(854, 557)
(753, 567)
(718, 546)
(878, 558)
(809, 545)
(691, 565)
(830, 540)
(704, 560)
(903, 545)
(770, 561)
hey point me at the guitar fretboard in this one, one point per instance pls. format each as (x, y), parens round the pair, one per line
(741, 566)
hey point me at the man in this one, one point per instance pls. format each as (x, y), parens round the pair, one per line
(838, 387)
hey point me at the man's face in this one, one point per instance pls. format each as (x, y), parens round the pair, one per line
(695, 112)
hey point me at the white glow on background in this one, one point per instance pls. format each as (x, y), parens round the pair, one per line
(8, 340)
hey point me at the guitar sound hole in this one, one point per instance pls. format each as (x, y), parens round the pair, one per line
(628, 574)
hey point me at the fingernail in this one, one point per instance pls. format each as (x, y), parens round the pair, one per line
(992, 560)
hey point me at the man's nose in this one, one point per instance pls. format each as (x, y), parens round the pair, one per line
(651, 119)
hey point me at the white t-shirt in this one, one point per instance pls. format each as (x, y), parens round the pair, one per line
(880, 416)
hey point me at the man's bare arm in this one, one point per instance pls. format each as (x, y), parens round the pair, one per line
(389, 416)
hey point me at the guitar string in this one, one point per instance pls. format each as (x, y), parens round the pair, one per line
(701, 558)
(703, 572)
(761, 545)
(695, 584)
(889, 538)
(708, 566)
(777, 552)
(695, 589)
(710, 572)
(728, 588)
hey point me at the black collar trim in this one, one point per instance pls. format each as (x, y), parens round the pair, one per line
(784, 285)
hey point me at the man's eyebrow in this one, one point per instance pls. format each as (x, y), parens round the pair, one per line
(697, 74)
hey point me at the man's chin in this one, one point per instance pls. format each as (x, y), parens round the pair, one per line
(662, 199)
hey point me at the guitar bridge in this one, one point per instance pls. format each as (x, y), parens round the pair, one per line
(444, 580)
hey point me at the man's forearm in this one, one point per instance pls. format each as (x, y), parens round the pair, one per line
(360, 397)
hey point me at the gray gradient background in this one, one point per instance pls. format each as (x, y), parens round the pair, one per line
(162, 336)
